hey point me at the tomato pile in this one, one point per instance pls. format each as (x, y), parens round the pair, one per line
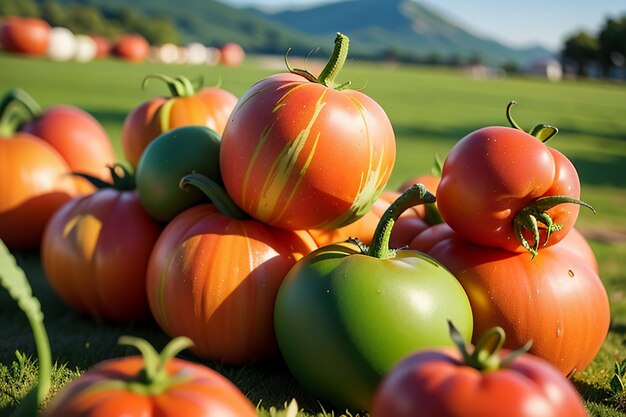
(261, 226)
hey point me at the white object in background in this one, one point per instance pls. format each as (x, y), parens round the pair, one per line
(62, 46)
(196, 53)
(213, 56)
(86, 48)
(167, 53)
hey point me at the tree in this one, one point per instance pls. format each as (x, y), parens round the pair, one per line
(581, 49)
(612, 43)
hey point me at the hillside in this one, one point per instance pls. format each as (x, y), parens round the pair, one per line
(401, 28)
(401, 25)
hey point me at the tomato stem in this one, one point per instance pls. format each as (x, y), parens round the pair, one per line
(542, 132)
(333, 67)
(16, 108)
(534, 213)
(13, 278)
(485, 354)
(414, 195)
(216, 194)
(122, 178)
(153, 377)
(179, 86)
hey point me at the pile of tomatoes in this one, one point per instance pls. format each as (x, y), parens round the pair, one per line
(261, 225)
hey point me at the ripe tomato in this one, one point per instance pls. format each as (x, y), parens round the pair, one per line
(25, 35)
(345, 315)
(79, 138)
(34, 183)
(95, 252)
(502, 187)
(209, 107)
(299, 152)
(213, 278)
(232, 54)
(447, 382)
(149, 386)
(131, 47)
(556, 299)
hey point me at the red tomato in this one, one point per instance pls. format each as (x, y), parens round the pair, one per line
(132, 386)
(132, 48)
(444, 383)
(25, 35)
(79, 138)
(556, 299)
(34, 183)
(494, 176)
(103, 46)
(95, 253)
(209, 107)
(214, 279)
(299, 152)
(232, 54)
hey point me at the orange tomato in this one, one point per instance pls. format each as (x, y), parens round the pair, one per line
(34, 183)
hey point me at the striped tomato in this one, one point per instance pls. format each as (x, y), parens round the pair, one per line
(301, 152)
(209, 107)
(214, 277)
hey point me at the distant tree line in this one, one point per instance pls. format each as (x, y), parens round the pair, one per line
(603, 52)
(94, 20)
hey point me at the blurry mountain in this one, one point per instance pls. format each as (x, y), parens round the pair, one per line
(402, 29)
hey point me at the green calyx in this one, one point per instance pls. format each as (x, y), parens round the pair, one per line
(179, 87)
(14, 280)
(121, 178)
(542, 132)
(413, 196)
(16, 108)
(153, 378)
(536, 214)
(215, 193)
(333, 67)
(485, 355)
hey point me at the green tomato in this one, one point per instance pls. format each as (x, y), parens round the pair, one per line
(345, 315)
(166, 160)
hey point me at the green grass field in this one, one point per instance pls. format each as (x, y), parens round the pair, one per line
(430, 109)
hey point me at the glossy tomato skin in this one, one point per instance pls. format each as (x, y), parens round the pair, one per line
(29, 36)
(343, 319)
(161, 114)
(214, 279)
(299, 155)
(494, 172)
(556, 299)
(95, 252)
(435, 383)
(79, 138)
(200, 392)
(406, 226)
(34, 183)
(167, 159)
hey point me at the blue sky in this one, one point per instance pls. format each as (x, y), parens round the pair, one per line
(514, 22)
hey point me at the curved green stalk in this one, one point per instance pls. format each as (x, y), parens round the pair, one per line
(415, 195)
(16, 108)
(542, 132)
(218, 196)
(14, 280)
(333, 67)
